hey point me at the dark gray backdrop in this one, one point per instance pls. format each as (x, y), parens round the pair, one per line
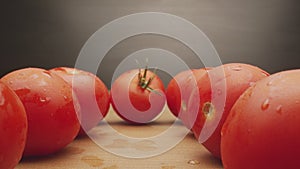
(50, 33)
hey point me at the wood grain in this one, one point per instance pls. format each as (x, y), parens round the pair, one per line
(83, 153)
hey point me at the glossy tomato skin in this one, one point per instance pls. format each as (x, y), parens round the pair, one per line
(47, 98)
(178, 93)
(91, 94)
(133, 103)
(262, 129)
(13, 128)
(218, 91)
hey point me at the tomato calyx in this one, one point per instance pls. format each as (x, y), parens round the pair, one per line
(144, 83)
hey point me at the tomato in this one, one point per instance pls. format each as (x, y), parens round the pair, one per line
(13, 128)
(179, 91)
(138, 96)
(92, 95)
(218, 91)
(47, 98)
(262, 129)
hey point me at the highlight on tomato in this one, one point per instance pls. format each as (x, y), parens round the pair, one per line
(137, 96)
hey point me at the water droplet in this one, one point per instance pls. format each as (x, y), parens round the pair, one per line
(251, 83)
(193, 162)
(297, 102)
(10, 82)
(45, 99)
(270, 83)
(219, 91)
(279, 109)
(237, 68)
(34, 76)
(265, 104)
(92, 161)
(183, 105)
(66, 97)
(249, 131)
(2, 100)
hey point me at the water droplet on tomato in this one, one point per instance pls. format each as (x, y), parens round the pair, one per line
(279, 109)
(237, 68)
(45, 99)
(66, 97)
(270, 83)
(265, 104)
(183, 105)
(251, 83)
(10, 82)
(219, 91)
(34, 76)
(2, 100)
(193, 162)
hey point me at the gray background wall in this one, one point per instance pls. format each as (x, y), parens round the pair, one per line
(51, 33)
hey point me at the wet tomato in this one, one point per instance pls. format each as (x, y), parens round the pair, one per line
(262, 129)
(47, 98)
(91, 94)
(218, 90)
(138, 96)
(13, 128)
(179, 91)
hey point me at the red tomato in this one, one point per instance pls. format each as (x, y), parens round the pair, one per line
(92, 96)
(13, 128)
(179, 91)
(218, 91)
(47, 98)
(138, 97)
(262, 129)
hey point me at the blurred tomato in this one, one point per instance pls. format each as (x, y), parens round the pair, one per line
(13, 128)
(91, 94)
(47, 98)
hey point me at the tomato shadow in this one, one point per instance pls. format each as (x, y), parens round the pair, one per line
(62, 154)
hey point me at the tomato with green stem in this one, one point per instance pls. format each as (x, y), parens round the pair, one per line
(137, 96)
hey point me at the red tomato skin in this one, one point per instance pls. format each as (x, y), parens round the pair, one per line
(138, 97)
(47, 98)
(231, 80)
(262, 129)
(82, 83)
(13, 128)
(178, 93)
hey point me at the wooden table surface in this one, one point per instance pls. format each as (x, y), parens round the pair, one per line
(84, 153)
